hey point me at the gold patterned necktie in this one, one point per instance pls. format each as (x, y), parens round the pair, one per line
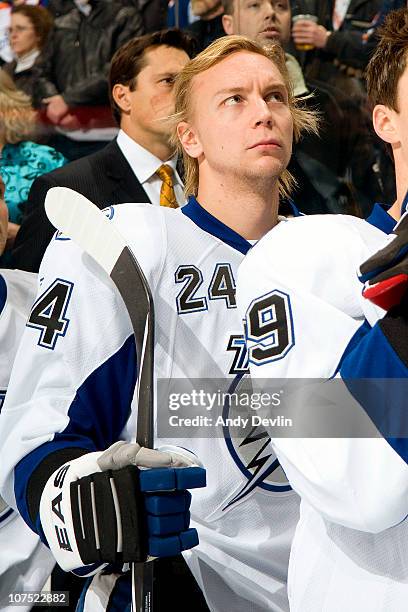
(167, 195)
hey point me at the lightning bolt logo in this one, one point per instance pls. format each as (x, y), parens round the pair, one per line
(263, 463)
(255, 458)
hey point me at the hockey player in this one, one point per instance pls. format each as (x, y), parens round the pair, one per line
(306, 318)
(25, 563)
(71, 395)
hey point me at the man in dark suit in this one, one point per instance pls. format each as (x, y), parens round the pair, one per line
(141, 85)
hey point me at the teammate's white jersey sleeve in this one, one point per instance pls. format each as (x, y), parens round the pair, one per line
(25, 563)
(308, 265)
(17, 293)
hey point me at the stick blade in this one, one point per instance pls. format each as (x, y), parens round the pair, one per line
(82, 221)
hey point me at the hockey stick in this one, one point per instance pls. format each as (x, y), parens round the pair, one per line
(80, 220)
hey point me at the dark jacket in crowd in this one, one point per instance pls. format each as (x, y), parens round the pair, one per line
(59, 7)
(24, 80)
(335, 170)
(154, 13)
(390, 5)
(205, 32)
(349, 47)
(75, 62)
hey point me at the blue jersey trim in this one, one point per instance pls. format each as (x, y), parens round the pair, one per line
(194, 211)
(3, 294)
(85, 570)
(81, 600)
(380, 218)
(97, 416)
(384, 397)
(102, 404)
(374, 357)
(353, 343)
(295, 211)
(121, 595)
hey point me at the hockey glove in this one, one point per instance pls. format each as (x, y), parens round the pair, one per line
(101, 508)
(385, 274)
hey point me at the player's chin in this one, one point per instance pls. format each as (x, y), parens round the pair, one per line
(275, 164)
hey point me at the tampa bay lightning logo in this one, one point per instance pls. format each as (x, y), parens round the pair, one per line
(252, 452)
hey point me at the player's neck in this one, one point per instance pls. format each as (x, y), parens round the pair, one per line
(248, 213)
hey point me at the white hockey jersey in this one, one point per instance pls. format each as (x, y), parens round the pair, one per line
(306, 319)
(74, 382)
(25, 563)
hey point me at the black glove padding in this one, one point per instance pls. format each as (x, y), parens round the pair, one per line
(120, 515)
(385, 274)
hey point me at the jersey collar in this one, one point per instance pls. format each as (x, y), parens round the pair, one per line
(380, 218)
(194, 211)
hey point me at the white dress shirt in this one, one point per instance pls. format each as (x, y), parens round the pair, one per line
(26, 61)
(339, 12)
(144, 165)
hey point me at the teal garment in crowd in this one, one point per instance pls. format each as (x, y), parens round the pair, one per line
(20, 164)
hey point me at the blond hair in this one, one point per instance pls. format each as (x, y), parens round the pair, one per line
(17, 116)
(303, 119)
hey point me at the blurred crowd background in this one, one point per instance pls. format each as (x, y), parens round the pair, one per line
(55, 95)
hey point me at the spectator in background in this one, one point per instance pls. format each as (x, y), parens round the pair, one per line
(142, 76)
(72, 75)
(6, 54)
(154, 13)
(178, 14)
(21, 159)
(28, 32)
(265, 21)
(59, 7)
(341, 41)
(209, 25)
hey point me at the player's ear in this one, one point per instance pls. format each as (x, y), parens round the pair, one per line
(189, 139)
(227, 24)
(384, 123)
(121, 95)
